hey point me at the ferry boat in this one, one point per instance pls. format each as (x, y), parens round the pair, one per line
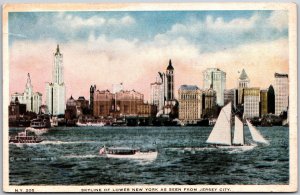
(24, 137)
(41, 122)
(128, 153)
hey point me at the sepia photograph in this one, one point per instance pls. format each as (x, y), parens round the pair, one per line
(150, 97)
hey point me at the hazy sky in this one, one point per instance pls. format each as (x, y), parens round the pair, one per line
(104, 48)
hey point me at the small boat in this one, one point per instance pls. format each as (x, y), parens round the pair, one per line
(24, 137)
(128, 153)
(89, 124)
(221, 135)
(41, 122)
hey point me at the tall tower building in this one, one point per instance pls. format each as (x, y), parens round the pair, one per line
(56, 90)
(92, 91)
(32, 100)
(170, 81)
(215, 78)
(281, 93)
(243, 82)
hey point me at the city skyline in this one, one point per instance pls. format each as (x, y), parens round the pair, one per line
(132, 57)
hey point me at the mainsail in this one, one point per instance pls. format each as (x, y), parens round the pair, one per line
(238, 137)
(221, 133)
(257, 137)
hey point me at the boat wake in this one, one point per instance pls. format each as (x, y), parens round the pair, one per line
(63, 142)
(229, 149)
(52, 143)
(37, 131)
(81, 156)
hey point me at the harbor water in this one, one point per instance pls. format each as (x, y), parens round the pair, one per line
(70, 156)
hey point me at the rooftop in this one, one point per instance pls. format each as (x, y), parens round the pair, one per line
(188, 87)
(278, 75)
(244, 75)
(170, 67)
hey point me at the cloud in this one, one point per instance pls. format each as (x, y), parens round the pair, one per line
(104, 62)
(77, 22)
(258, 44)
(279, 20)
(215, 33)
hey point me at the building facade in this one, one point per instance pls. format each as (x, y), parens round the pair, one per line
(157, 94)
(209, 102)
(263, 102)
(32, 100)
(281, 88)
(215, 78)
(243, 82)
(229, 96)
(123, 103)
(15, 109)
(56, 90)
(190, 104)
(251, 102)
(146, 110)
(71, 111)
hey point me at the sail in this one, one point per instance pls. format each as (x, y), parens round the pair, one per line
(221, 133)
(238, 137)
(256, 136)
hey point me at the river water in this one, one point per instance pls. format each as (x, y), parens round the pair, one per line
(69, 155)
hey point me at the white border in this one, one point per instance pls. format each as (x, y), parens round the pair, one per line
(290, 7)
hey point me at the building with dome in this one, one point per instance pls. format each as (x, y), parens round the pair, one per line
(243, 82)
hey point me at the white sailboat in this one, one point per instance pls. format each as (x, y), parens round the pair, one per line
(221, 135)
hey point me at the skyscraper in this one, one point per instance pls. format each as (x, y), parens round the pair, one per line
(157, 93)
(92, 91)
(190, 104)
(32, 100)
(56, 90)
(170, 81)
(281, 93)
(263, 102)
(215, 78)
(271, 100)
(243, 82)
(251, 102)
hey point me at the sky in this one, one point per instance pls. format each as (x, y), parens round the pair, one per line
(131, 47)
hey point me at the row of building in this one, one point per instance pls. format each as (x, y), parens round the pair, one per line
(250, 102)
(55, 91)
(192, 105)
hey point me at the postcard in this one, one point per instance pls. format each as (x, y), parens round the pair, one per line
(150, 97)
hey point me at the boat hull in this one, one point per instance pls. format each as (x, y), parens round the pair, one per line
(137, 156)
(15, 141)
(237, 147)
